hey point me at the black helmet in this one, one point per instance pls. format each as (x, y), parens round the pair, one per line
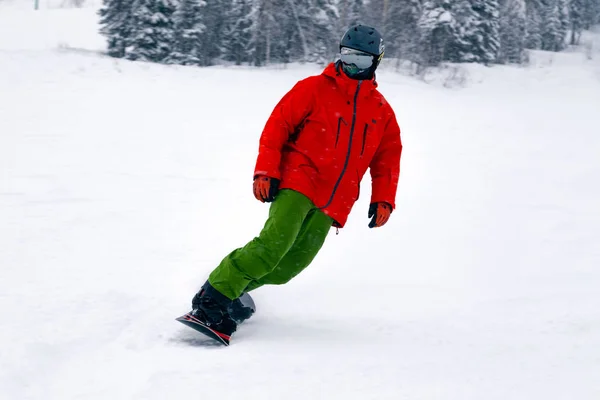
(361, 50)
(363, 38)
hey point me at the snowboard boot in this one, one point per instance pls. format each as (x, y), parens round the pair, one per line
(211, 308)
(241, 308)
(238, 310)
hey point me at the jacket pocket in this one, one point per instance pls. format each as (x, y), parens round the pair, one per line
(339, 128)
(364, 139)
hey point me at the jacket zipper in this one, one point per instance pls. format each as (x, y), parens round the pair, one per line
(362, 150)
(339, 180)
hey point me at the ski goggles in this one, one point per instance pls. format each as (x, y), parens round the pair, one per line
(359, 58)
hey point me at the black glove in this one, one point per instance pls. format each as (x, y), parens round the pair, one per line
(265, 188)
(379, 214)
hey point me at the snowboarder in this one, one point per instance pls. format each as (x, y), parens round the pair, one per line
(314, 150)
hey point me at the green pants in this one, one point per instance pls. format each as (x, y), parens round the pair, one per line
(289, 241)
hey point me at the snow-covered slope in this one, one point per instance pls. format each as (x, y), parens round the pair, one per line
(123, 184)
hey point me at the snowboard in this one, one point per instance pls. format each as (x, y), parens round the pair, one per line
(191, 321)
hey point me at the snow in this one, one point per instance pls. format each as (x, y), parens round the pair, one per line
(445, 17)
(123, 184)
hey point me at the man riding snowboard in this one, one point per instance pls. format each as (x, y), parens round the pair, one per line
(314, 150)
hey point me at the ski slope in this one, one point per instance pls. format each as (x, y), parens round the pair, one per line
(123, 184)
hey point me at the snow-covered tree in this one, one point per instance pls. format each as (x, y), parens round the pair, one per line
(513, 31)
(565, 20)
(576, 9)
(115, 16)
(467, 36)
(152, 30)
(189, 28)
(591, 13)
(554, 26)
(216, 20)
(319, 23)
(268, 33)
(289, 30)
(533, 13)
(595, 12)
(438, 33)
(409, 33)
(285, 41)
(237, 32)
(484, 39)
(401, 29)
(351, 12)
(375, 13)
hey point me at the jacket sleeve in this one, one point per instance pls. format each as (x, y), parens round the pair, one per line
(385, 166)
(287, 116)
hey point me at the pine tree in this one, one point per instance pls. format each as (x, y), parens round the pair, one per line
(297, 33)
(288, 41)
(256, 51)
(252, 45)
(591, 13)
(115, 25)
(534, 9)
(467, 36)
(216, 15)
(513, 31)
(485, 38)
(438, 33)
(187, 47)
(553, 32)
(564, 22)
(275, 34)
(152, 30)
(320, 21)
(261, 32)
(375, 14)
(401, 28)
(237, 32)
(408, 20)
(576, 8)
(351, 12)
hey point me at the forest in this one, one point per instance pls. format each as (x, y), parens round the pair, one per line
(262, 32)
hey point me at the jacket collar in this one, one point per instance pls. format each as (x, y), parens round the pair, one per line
(334, 72)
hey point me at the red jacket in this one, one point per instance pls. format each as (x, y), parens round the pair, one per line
(322, 137)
